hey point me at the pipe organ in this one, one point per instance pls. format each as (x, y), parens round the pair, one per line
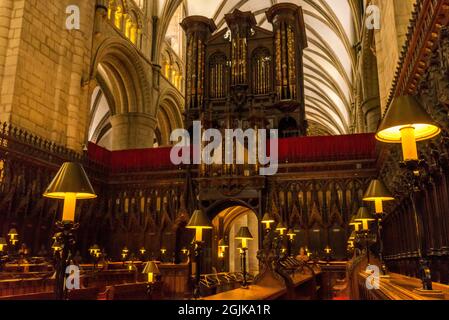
(245, 76)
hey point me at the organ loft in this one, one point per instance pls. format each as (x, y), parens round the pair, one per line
(312, 164)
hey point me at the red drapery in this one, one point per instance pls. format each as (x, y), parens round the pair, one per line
(327, 148)
(302, 149)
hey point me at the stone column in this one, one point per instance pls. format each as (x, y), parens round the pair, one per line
(371, 111)
(132, 131)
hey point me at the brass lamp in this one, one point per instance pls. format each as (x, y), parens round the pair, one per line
(364, 217)
(244, 234)
(355, 224)
(94, 250)
(199, 221)
(328, 250)
(377, 192)
(3, 244)
(12, 235)
(151, 270)
(407, 122)
(291, 234)
(125, 252)
(281, 228)
(267, 220)
(222, 245)
(142, 251)
(70, 183)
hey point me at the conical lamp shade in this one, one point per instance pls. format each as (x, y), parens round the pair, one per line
(244, 233)
(199, 220)
(13, 232)
(290, 232)
(267, 218)
(406, 111)
(151, 267)
(95, 247)
(364, 215)
(281, 226)
(377, 191)
(3, 242)
(71, 178)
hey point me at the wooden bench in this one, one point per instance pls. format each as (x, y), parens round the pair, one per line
(31, 296)
(131, 291)
(83, 294)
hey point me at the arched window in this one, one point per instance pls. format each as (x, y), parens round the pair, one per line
(132, 27)
(262, 71)
(127, 22)
(166, 64)
(218, 73)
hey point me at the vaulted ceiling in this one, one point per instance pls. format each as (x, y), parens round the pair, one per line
(329, 61)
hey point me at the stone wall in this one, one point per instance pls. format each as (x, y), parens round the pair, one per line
(395, 17)
(44, 68)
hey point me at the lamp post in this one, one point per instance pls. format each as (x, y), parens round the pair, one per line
(355, 224)
(13, 236)
(124, 254)
(245, 235)
(377, 192)
(291, 236)
(222, 245)
(281, 228)
(267, 220)
(3, 245)
(328, 252)
(143, 252)
(94, 252)
(70, 184)
(365, 218)
(406, 122)
(199, 222)
(150, 270)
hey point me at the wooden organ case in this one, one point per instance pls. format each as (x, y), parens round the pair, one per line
(244, 76)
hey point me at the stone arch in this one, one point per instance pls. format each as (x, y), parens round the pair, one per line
(169, 115)
(124, 79)
(124, 66)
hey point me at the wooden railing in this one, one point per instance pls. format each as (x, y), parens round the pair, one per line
(391, 287)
